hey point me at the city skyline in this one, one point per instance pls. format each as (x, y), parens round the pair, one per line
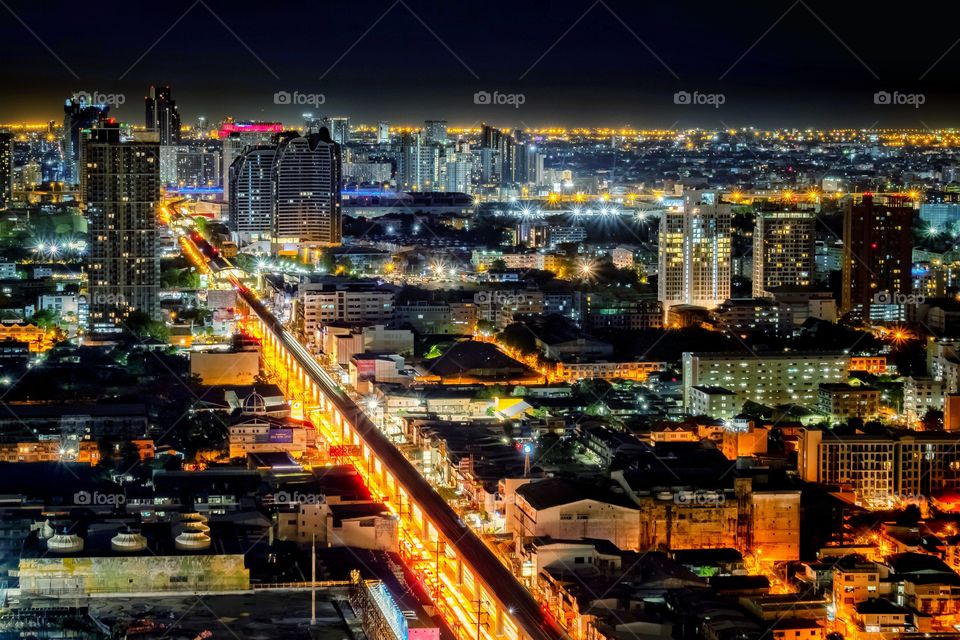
(602, 63)
(419, 320)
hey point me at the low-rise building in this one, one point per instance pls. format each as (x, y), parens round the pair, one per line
(714, 402)
(770, 379)
(842, 401)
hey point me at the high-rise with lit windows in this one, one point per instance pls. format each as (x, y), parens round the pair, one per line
(877, 253)
(6, 168)
(121, 190)
(783, 250)
(694, 262)
(251, 193)
(306, 190)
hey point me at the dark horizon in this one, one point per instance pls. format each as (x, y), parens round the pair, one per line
(793, 64)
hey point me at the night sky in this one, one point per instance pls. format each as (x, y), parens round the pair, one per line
(818, 63)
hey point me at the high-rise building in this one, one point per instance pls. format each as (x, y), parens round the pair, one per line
(251, 193)
(504, 163)
(383, 132)
(32, 174)
(121, 189)
(306, 190)
(489, 137)
(529, 164)
(312, 123)
(877, 252)
(694, 256)
(459, 174)
(168, 165)
(162, 115)
(339, 127)
(435, 131)
(418, 166)
(6, 168)
(783, 250)
(236, 136)
(198, 166)
(79, 115)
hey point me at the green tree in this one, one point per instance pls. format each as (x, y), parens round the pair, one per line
(46, 319)
(933, 420)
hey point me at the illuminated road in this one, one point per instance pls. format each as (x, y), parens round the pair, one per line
(476, 593)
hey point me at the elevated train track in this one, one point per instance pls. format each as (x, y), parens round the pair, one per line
(485, 599)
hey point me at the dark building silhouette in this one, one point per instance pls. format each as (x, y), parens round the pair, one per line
(162, 115)
(877, 252)
(79, 115)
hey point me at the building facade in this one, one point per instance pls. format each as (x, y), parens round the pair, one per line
(121, 189)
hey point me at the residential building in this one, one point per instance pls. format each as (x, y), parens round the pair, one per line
(770, 379)
(121, 189)
(695, 251)
(783, 250)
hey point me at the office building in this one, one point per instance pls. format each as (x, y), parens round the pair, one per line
(306, 190)
(79, 116)
(162, 115)
(236, 136)
(694, 264)
(339, 128)
(121, 191)
(250, 182)
(783, 250)
(877, 253)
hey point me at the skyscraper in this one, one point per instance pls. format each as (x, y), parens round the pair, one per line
(306, 190)
(383, 132)
(489, 137)
(339, 127)
(121, 189)
(236, 136)
(694, 256)
(435, 131)
(877, 252)
(79, 115)
(6, 168)
(418, 165)
(529, 164)
(312, 123)
(162, 115)
(251, 193)
(783, 250)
